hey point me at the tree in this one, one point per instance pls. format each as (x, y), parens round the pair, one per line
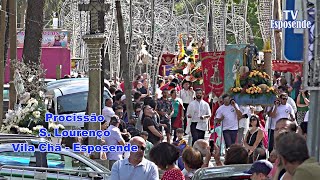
(33, 33)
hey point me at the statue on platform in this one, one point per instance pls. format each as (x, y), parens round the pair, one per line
(251, 54)
(236, 73)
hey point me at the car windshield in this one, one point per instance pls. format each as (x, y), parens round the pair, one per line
(74, 103)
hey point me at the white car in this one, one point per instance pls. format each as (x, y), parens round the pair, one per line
(64, 164)
(70, 99)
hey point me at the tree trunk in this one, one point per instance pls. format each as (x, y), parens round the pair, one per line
(2, 39)
(33, 33)
(22, 13)
(277, 34)
(124, 61)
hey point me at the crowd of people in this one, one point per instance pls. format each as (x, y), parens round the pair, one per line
(272, 138)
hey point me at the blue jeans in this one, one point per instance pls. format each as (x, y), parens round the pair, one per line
(230, 137)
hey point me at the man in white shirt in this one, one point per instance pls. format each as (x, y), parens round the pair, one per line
(114, 139)
(199, 112)
(290, 100)
(186, 95)
(107, 111)
(228, 114)
(243, 123)
(280, 110)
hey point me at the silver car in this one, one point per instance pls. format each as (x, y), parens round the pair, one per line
(64, 164)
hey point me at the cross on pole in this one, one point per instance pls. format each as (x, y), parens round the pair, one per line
(95, 7)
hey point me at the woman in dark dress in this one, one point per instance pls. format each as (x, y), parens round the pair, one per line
(254, 135)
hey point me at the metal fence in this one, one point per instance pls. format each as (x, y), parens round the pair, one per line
(20, 172)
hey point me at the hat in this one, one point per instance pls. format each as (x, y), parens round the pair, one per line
(123, 97)
(261, 166)
(114, 119)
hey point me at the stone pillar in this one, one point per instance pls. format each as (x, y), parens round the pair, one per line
(94, 43)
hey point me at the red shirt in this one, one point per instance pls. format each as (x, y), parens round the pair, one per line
(173, 174)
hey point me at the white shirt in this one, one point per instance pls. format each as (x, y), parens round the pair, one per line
(197, 109)
(186, 95)
(283, 111)
(230, 121)
(306, 117)
(293, 104)
(244, 122)
(107, 113)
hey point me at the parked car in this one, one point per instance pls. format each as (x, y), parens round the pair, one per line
(64, 82)
(227, 172)
(63, 164)
(71, 99)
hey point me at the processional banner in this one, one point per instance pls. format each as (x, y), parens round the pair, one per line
(212, 72)
(233, 53)
(167, 62)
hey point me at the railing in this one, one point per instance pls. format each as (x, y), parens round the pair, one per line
(17, 172)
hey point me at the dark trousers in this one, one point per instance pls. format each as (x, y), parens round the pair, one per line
(230, 137)
(271, 140)
(185, 116)
(173, 119)
(196, 133)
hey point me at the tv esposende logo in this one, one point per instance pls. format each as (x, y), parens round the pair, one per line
(293, 23)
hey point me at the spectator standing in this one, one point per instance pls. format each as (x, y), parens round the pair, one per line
(303, 105)
(281, 109)
(293, 151)
(228, 114)
(178, 113)
(187, 95)
(107, 111)
(135, 167)
(165, 109)
(254, 136)
(199, 112)
(149, 145)
(243, 122)
(164, 155)
(151, 126)
(115, 138)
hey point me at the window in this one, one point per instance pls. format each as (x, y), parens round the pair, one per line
(17, 158)
(6, 94)
(77, 102)
(65, 162)
(72, 103)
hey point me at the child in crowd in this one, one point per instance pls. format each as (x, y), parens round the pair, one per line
(149, 145)
(181, 144)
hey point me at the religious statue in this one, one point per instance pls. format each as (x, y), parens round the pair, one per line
(236, 73)
(215, 79)
(18, 83)
(250, 54)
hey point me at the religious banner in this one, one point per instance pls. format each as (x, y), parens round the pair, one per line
(166, 61)
(234, 59)
(167, 69)
(50, 38)
(213, 72)
(286, 66)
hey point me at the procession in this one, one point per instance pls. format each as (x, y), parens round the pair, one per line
(159, 89)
